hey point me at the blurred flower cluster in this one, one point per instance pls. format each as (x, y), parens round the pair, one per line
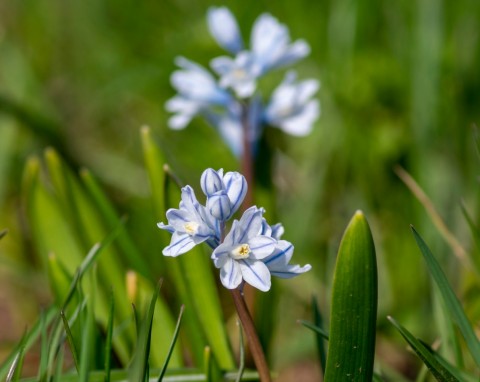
(231, 101)
(251, 251)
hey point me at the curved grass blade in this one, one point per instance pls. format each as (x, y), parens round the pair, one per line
(438, 371)
(28, 340)
(109, 214)
(354, 306)
(241, 366)
(318, 320)
(71, 341)
(172, 345)
(15, 368)
(451, 301)
(140, 369)
(322, 333)
(108, 340)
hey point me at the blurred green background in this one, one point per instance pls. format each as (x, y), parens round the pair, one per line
(400, 85)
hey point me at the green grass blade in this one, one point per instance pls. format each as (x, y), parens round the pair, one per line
(318, 320)
(44, 347)
(322, 333)
(172, 345)
(108, 212)
(140, 369)
(241, 366)
(354, 306)
(3, 232)
(28, 340)
(451, 301)
(154, 164)
(198, 276)
(71, 341)
(438, 371)
(15, 368)
(108, 340)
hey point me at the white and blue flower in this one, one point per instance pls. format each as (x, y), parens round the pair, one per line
(225, 193)
(292, 108)
(224, 29)
(189, 225)
(270, 43)
(239, 73)
(240, 255)
(278, 261)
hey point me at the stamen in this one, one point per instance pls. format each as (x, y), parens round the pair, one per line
(240, 252)
(191, 228)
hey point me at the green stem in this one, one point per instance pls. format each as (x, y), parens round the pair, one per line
(252, 337)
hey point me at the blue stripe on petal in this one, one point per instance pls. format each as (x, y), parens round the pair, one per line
(256, 274)
(278, 254)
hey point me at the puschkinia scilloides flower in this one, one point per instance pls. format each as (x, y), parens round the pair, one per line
(225, 193)
(189, 225)
(251, 251)
(229, 98)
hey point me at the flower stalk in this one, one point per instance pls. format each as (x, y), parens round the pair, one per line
(252, 336)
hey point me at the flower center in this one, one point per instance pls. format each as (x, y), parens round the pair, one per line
(239, 74)
(240, 252)
(191, 228)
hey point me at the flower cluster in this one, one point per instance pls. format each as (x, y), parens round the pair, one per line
(230, 99)
(251, 251)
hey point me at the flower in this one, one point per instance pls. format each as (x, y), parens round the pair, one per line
(189, 225)
(278, 261)
(240, 255)
(225, 193)
(270, 44)
(239, 73)
(198, 90)
(291, 107)
(224, 29)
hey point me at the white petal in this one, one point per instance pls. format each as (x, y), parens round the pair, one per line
(301, 124)
(236, 187)
(261, 246)
(295, 52)
(211, 181)
(230, 274)
(224, 29)
(249, 225)
(218, 205)
(222, 65)
(180, 243)
(281, 256)
(256, 274)
(291, 271)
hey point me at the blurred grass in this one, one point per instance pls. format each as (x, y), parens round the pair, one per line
(400, 85)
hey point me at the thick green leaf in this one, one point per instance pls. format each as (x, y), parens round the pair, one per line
(451, 301)
(354, 306)
(438, 371)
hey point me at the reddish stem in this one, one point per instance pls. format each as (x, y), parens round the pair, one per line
(252, 337)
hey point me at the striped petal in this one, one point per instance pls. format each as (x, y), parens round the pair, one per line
(256, 274)
(261, 246)
(236, 187)
(218, 205)
(291, 271)
(180, 243)
(230, 274)
(211, 181)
